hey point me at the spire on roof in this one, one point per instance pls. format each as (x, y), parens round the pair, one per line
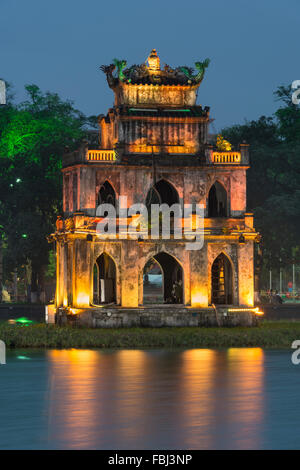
(153, 61)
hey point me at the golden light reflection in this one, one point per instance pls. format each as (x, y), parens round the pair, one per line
(222, 390)
(246, 354)
(246, 405)
(73, 371)
(202, 398)
(132, 368)
(197, 372)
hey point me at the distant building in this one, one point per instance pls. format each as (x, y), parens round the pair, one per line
(154, 149)
(2, 92)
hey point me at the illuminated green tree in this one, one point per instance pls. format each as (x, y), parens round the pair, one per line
(33, 137)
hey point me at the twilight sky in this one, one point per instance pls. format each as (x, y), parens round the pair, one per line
(60, 44)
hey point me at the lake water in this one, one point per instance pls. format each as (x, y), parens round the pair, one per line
(150, 399)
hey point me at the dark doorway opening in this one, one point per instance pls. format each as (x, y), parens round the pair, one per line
(153, 291)
(162, 193)
(104, 280)
(107, 194)
(221, 279)
(171, 280)
(217, 201)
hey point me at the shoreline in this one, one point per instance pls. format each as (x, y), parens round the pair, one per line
(268, 335)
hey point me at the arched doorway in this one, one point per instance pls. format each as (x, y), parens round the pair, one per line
(221, 281)
(217, 201)
(104, 280)
(162, 192)
(153, 292)
(171, 290)
(106, 194)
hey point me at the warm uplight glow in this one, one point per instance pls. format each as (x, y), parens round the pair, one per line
(83, 299)
(246, 294)
(198, 298)
(143, 148)
(250, 300)
(250, 309)
(258, 312)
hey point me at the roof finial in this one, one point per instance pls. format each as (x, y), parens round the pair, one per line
(153, 61)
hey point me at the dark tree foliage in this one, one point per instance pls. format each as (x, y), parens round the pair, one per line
(273, 181)
(33, 136)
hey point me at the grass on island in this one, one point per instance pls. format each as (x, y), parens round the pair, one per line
(279, 335)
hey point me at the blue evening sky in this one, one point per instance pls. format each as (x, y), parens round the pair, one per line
(60, 44)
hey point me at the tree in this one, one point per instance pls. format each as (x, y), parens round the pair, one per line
(273, 181)
(33, 137)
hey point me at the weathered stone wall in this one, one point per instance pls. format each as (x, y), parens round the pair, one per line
(174, 137)
(160, 317)
(246, 273)
(133, 95)
(71, 190)
(192, 185)
(199, 293)
(76, 259)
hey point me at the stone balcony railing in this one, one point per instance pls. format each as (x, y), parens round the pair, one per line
(101, 155)
(84, 154)
(224, 226)
(226, 157)
(241, 157)
(213, 157)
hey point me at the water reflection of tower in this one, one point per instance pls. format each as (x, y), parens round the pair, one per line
(222, 396)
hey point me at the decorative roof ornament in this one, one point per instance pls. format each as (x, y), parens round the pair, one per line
(153, 61)
(200, 66)
(222, 144)
(120, 64)
(151, 73)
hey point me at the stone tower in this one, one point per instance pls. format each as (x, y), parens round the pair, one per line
(155, 149)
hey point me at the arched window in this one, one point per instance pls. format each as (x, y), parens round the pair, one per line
(221, 281)
(104, 277)
(107, 194)
(169, 280)
(217, 201)
(162, 193)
